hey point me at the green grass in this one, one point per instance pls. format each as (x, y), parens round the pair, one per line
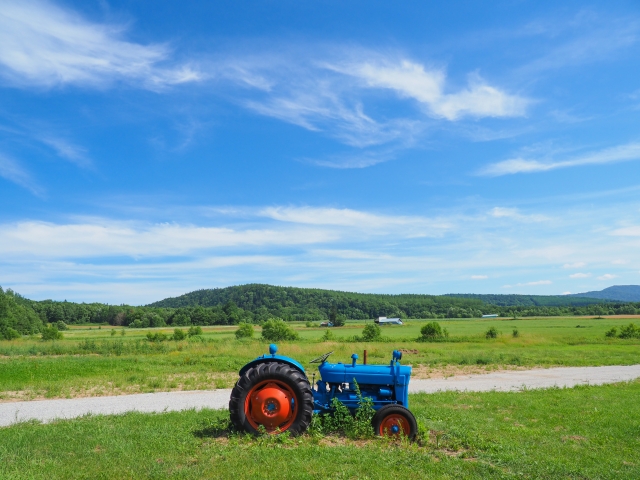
(584, 432)
(93, 362)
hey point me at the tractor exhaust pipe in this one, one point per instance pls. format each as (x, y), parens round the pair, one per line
(364, 358)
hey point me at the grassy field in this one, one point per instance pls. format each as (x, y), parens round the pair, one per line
(92, 361)
(584, 432)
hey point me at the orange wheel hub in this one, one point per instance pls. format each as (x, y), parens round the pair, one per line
(394, 425)
(271, 404)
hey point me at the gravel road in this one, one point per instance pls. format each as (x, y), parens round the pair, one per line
(48, 410)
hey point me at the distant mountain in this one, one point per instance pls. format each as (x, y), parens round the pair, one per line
(620, 293)
(515, 300)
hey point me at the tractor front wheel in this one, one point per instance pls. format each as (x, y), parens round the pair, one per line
(274, 396)
(395, 421)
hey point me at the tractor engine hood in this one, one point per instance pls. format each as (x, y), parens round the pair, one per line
(396, 375)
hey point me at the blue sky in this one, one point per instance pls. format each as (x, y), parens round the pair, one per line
(148, 149)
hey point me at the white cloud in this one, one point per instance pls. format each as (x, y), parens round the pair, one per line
(574, 265)
(580, 275)
(67, 150)
(633, 231)
(360, 160)
(47, 45)
(107, 238)
(566, 293)
(410, 80)
(630, 151)
(12, 171)
(514, 213)
(479, 277)
(607, 276)
(348, 218)
(529, 284)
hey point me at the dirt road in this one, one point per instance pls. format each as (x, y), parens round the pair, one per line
(48, 410)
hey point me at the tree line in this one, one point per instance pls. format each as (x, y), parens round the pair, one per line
(258, 303)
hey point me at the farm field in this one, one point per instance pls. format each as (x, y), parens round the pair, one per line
(557, 433)
(91, 361)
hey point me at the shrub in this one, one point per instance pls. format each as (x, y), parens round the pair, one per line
(156, 337)
(491, 333)
(431, 330)
(137, 323)
(245, 330)
(51, 333)
(630, 331)
(611, 333)
(275, 329)
(113, 333)
(371, 332)
(178, 334)
(328, 336)
(516, 333)
(339, 321)
(308, 324)
(194, 331)
(10, 334)
(60, 325)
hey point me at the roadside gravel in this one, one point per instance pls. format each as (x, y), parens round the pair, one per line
(49, 410)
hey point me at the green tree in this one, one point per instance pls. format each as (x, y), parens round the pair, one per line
(371, 332)
(245, 330)
(195, 331)
(431, 331)
(178, 334)
(51, 333)
(276, 329)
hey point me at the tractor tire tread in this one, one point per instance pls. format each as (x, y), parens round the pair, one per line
(277, 371)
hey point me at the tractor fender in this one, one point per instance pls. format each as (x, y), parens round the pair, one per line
(272, 358)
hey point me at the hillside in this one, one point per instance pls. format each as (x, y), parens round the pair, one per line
(295, 302)
(533, 300)
(619, 293)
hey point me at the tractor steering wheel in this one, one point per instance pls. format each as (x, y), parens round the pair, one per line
(321, 358)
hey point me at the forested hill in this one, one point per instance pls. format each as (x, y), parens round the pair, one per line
(533, 300)
(257, 303)
(311, 302)
(620, 293)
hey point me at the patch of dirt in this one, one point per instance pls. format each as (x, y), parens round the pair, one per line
(575, 438)
(426, 371)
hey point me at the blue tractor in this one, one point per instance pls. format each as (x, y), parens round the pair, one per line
(273, 392)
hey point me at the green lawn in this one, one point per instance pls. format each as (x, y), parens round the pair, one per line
(93, 362)
(584, 432)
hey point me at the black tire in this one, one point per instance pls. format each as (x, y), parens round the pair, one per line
(397, 411)
(279, 372)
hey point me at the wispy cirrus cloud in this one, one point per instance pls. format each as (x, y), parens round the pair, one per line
(11, 170)
(68, 151)
(588, 37)
(346, 217)
(514, 213)
(337, 94)
(46, 45)
(410, 79)
(621, 153)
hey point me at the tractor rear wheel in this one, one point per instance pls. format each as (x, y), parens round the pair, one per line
(394, 421)
(272, 395)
